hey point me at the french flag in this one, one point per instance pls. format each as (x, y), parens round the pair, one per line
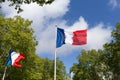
(14, 58)
(78, 37)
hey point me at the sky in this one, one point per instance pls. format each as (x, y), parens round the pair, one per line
(99, 17)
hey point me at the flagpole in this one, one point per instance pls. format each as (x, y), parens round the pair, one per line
(5, 70)
(4, 73)
(55, 65)
(55, 56)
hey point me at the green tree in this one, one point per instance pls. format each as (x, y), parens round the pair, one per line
(15, 33)
(101, 64)
(88, 66)
(48, 70)
(112, 53)
(60, 70)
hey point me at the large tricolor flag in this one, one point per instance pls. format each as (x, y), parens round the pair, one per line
(14, 58)
(78, 37)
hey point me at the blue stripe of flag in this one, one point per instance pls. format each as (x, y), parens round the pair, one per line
(9, 62)
(60, 37)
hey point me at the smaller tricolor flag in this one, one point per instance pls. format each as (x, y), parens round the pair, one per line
(78, 37)
(14, 58)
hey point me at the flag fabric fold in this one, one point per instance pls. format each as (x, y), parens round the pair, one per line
(14, 58)
(78, 37)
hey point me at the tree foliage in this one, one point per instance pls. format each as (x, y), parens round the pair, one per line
(17, 34)
(87, 66)
(102, 64)
(48, 70)
(60, 69)
(112, 53)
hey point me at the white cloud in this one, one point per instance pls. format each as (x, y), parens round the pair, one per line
(58, 8)
(46, 17)
(114, 3)
(80, 24)
(97, 36)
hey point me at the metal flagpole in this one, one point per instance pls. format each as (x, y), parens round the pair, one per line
(5, 70)
(4, 73)
(55, 65)
(55, 57)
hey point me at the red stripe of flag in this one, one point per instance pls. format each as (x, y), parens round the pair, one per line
(79, 37)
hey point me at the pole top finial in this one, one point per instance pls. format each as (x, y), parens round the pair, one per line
(56, 26)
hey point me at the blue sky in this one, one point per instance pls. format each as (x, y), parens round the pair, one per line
(94, 11)
(98, 16)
